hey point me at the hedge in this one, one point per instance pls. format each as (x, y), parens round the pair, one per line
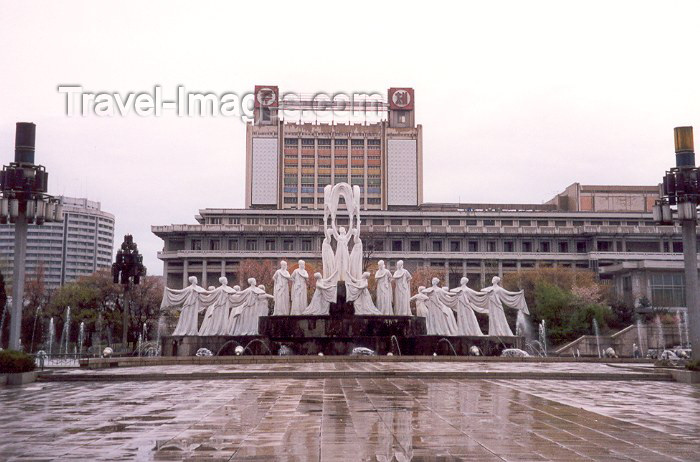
(15, 361)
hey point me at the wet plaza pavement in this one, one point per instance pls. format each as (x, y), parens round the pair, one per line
(351, 419)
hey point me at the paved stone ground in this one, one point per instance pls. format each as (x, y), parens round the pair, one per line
(376, 366)
(351, 419)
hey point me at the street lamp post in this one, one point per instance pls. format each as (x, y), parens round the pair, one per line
(681, 187)
(126, 270)
(24, 201)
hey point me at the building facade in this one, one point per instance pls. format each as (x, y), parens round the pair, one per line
(78, 246)
(289, 164)
(607, 229)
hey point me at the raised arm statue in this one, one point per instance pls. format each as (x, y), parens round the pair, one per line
(188, 300)
(497, 298)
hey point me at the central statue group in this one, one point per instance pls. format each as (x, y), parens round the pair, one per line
(232, 311)
(344, 265)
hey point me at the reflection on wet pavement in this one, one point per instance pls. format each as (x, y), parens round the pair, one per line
(350, 419)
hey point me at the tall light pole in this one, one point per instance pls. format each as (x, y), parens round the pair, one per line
(681, 187)
(24, 200)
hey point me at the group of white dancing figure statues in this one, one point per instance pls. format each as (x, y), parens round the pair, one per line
(232, 311)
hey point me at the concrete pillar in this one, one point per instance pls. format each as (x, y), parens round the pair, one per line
(185, 273)
(20, 253)
(690, 258)
(203, 282)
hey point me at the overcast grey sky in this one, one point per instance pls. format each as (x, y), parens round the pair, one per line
(517, 99)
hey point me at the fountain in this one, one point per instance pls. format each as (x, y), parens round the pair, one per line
(543, 336)
(596, 331)
(660, 342)
(395, 341)
(138, 345)
(639, 337)
(685, 325)
(65, 332)
(342, 315)
(144, 332)
(36, 316)
(677, 318)
(51, 336)
(81, 338)
(449, 343)
(159, 330)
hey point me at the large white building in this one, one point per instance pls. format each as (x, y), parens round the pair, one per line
(78, 246)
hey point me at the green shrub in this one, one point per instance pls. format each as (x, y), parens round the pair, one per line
(693, 365)
(15, 361)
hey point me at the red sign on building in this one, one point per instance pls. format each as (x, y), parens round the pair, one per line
(401, 98)
(266, 96)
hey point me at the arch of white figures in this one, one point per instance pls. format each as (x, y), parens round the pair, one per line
(235, 311)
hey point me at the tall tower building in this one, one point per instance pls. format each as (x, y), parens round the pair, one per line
(289, 164)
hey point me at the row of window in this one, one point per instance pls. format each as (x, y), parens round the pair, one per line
(525, 246)
(374, 182)
(289, 142)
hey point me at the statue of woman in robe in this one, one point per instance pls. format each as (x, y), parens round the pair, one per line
(326, 293)
(327, 255)
(300, 278)
(245, 310)
(402, 292)
(218, 304)
(420, 298)
(441, 319)
(384, 291)
(263, 302)
(468, 301)
(189, 299)
(355, 266)
(281, 290)
(342, 255)
(358, 293)
(497, 298)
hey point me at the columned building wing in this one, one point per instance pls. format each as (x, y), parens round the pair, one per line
(477, 243)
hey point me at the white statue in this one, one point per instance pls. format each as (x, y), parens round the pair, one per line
(218, 305)
(355, 266)
(188, 299)
(402, 292)
(342, 255)
(281, 290)
(342, 263)
(327, 255)
(384, 291)
(420, 298)
(263, 305)
(469, 300)
(440, 303)
(358, 293)
(497, 298)
(326, 293)
(245, 310)
(300, 279)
